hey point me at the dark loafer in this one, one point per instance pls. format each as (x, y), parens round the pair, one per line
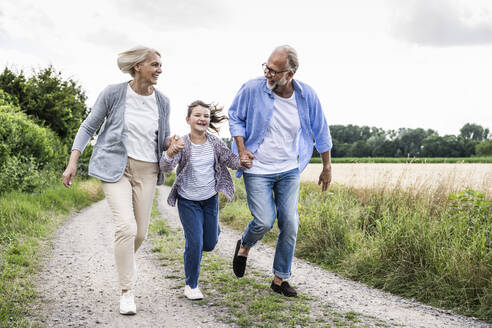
(284, 288)
(239, 262)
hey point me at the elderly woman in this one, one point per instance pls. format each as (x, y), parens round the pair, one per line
(126, 155)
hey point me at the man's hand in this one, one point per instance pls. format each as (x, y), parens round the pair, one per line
(246, 158)
(325, 178)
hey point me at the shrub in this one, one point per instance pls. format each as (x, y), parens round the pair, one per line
(48, 98)
(5, 98)
(28, 152)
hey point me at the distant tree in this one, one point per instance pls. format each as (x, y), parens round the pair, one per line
(13, 84)
(410, 140)
(474, 132)
(387, 149)
(468, 146)
(360, 149)
(340, 149)
(447, 146)
(484, 148)
(375, 141)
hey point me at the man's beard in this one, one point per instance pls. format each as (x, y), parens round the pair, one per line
(274, 87)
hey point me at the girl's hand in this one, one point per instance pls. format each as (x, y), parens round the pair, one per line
(177, 145)
(246, 158)
(247, 163)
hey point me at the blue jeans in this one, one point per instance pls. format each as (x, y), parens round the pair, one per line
(200, 221)
(273, 196)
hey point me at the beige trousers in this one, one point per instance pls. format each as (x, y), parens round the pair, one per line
(130, 200)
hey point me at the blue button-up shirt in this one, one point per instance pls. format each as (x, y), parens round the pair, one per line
(251, 111)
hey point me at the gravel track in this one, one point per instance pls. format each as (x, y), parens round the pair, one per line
(78, 284)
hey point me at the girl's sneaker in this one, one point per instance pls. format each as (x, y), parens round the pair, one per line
(127, 303)
(193, 293)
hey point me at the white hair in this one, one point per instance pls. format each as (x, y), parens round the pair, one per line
(128, 59)
(292, 59)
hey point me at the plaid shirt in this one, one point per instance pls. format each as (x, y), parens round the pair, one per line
(224, 158)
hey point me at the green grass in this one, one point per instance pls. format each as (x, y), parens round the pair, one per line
(403, 160)
(27, 221)
(432, 247)
(246, 302)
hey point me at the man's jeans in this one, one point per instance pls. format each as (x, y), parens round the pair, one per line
(200, 220)
(273, 196)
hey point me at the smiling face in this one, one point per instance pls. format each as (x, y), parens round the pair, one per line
(199, 119)
(278, 62)
(150, 69)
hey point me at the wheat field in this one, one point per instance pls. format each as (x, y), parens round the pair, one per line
(445, 177)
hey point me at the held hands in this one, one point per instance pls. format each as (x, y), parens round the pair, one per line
(325, 178)
(246, 158)
(177, 145)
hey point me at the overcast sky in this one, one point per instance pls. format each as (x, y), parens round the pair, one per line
(383, 63)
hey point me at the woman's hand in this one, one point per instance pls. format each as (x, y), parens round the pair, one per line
(71, 169)
(68, 175)
(177, 145)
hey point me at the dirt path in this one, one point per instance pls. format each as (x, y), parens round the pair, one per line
(79, 288)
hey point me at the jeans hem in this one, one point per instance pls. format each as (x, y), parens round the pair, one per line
(281, 275)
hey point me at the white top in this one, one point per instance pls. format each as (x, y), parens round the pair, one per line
(278, 151)
(141, 125)
(200, 185)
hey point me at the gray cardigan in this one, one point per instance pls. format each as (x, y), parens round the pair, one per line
(223, 158)
(108, 160)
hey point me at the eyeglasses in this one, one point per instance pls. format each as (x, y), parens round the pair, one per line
(272, 72)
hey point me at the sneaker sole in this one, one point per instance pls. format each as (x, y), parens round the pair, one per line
(128, 312)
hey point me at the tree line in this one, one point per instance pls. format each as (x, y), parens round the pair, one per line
(364, 141)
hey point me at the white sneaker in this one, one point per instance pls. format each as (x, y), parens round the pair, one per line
(127, 303)
(193, 293)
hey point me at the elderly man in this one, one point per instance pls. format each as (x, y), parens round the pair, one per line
(273, 120)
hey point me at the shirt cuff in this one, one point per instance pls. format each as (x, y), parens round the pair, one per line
(167, 158)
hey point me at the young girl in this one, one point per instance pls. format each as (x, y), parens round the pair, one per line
(202, 172)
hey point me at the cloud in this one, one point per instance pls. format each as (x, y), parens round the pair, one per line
(108, 38)
(442, 23)
(171, 14)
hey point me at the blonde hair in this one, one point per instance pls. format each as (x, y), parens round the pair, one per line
(128, 59)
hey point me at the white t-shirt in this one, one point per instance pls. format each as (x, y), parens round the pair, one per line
(200, 185)
(141, 125)
(278, 152)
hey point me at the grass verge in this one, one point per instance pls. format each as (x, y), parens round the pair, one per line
(433, 247)
(27, 221)
(246, 302)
